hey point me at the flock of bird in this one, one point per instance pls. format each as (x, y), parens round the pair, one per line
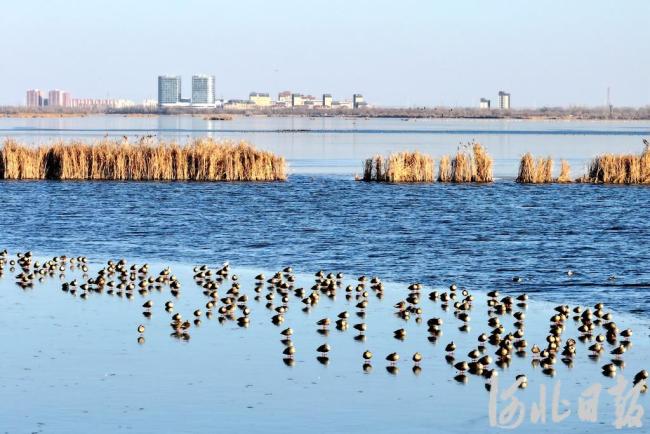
(225, 299)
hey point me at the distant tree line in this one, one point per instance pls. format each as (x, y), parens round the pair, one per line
(564, 113)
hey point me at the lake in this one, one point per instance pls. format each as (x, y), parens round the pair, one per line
(75, 365)
(338, 145)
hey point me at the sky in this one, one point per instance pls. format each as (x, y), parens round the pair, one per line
(396, 53)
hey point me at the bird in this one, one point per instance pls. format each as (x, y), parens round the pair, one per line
(522, 380)
(140, 328)
(392, 358)
(609, 369)
(618, 351)
(640, 376)
(461, 366)
(417, 358)
(289, 351)
(596, 348)
(325, 348)
(367, 355)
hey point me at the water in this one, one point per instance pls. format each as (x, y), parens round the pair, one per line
(73, 365)
(482, 235)
(76, 366)
(338, 145)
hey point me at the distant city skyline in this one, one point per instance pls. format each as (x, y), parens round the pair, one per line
(402, 54)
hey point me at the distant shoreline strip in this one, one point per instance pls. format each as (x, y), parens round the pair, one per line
(121, 131)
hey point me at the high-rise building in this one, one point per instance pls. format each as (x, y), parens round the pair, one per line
(203, 90)
(357, 100)
(66, 99)
(34, 98)
(260, 99)
(169, 89)
(58, 98)
(504, 100)
(484, 103)
(327, 100)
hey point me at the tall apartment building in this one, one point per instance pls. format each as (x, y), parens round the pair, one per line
(327, 100)
(484, 103)
(59, 98)
(169, 89)
(67, 99)
(34, 98)
(504, 100)
(357, 100)
(203, 90)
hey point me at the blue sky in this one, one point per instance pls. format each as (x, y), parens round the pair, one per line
(399, 53)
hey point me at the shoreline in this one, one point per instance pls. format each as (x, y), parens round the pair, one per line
(219, 115)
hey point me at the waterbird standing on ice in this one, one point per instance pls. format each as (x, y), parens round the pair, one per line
(451, 347)
(392, 358)
(323, 322)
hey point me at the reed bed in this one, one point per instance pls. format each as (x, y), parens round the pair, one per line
(400, 167)
(565, 173)
(199, 160)
(619, 169)
(472, 164)
(533, 171)
(444, 169)
(540, 171)
(21, 162)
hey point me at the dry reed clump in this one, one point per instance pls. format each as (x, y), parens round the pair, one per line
(540, 171)
(400, 167)
(535, 172)
(472, 164)
(444, 170)
(20, 162)
(199, 160)
(565, 173)
(620, 169)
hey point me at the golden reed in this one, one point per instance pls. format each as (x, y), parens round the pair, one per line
(619, 169)
(540, 171)
(198, 160)
(400, 167)
(533, 171)
(473, 164)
